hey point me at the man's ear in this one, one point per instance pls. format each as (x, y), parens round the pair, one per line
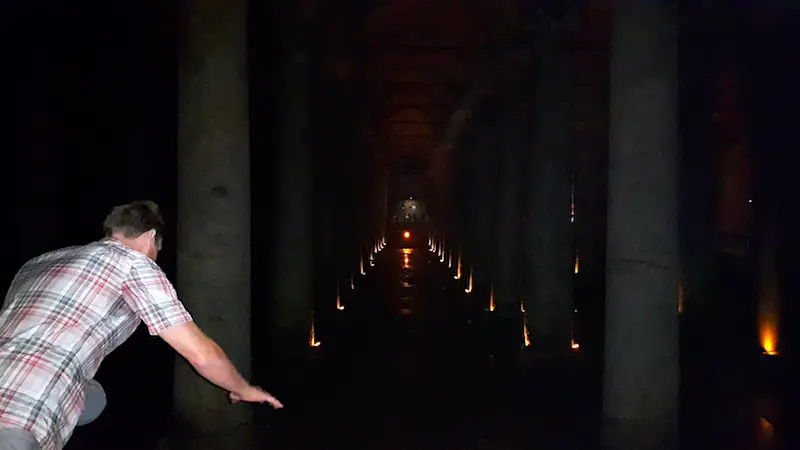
(151, 234)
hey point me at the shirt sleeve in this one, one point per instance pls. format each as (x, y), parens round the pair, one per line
(151, 296)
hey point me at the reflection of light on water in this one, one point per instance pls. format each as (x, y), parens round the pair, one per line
(407, 257)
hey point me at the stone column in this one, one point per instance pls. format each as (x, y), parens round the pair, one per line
(549, 263)
(292, 301)
(507, 263)
(590, 193)
(213, 259)
(640, 404)
(482, 208)
(697, 179)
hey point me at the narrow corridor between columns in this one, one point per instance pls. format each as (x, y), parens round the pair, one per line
(413, 355)
(411, 360)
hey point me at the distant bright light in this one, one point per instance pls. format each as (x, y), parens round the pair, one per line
(407, 234)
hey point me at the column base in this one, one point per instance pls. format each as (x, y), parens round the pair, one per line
(639, 435)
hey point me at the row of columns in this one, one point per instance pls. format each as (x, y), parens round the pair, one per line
(214, 206)
(532, 197)
(642, 267)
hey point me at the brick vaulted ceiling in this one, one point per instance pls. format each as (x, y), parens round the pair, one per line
(417, 58)
(412, 62)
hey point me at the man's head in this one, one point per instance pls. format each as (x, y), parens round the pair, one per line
(138, 225)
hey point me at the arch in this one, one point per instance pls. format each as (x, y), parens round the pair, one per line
(428, 67)
(406, 129)
(408, 114)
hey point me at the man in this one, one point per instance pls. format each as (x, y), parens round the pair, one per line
(67, 310)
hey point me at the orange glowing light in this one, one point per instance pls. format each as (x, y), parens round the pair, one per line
(352, 283)
(525, 335)
(339, 304)
(577, 264)
(407, 251)
(458, 268)
(768, 316)
(491, 298)
(407, 234)
(769, 338)
(468, 290)
(312, 341)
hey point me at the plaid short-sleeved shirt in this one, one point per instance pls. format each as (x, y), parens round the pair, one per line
(64, 313)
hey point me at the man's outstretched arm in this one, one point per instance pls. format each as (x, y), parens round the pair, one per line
(212, 364)
(150, 294)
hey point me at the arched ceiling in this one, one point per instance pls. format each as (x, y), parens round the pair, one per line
(414, 64)
(416, 59)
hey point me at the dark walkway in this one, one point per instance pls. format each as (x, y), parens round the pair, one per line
(413, 362)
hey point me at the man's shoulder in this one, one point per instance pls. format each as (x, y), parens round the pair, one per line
(92, 256)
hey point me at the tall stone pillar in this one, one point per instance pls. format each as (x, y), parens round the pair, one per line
(549, 263)
(640, 395)
(292, 302)
(590, 193)
(213, 260)
(484, 207)
(507, 269)
(697, 179)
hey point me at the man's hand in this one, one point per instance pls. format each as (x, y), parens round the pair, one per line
(255, 394)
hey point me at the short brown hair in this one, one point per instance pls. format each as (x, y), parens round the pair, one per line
(134, 219)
